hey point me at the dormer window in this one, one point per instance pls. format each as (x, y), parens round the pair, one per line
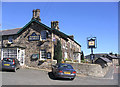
(43, 35)
(10, 39)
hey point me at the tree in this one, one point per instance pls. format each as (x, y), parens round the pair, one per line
(82, 55)
(58, 52)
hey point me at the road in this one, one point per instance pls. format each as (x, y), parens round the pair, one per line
(38, 77)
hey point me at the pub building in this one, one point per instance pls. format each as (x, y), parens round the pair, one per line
(35, 42)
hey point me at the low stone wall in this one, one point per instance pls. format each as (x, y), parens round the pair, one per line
(90, 69)
(81, 68)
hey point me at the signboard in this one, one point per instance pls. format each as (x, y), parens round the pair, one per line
(34, 37)
(91, 43)
(48, 55)
(35, 56)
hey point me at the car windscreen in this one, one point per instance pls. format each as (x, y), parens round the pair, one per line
(65, 66)
(7, 59)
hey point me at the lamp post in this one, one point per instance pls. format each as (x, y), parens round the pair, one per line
(91, 43)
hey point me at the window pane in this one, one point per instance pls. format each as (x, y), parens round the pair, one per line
(43, 35)
(10, 38)
(9, 53)
(43, 54)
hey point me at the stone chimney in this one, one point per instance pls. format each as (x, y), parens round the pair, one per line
(36, 15)
(55, 24)
(71, 36)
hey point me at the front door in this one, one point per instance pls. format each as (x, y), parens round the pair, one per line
(22, 57)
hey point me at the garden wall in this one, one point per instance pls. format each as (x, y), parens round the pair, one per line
(90, 69)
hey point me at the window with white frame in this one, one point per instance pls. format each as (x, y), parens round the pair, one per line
(10, 39)
(43, 35)
(43, 54)
(65, 57)
(9, 53)
(63, 45)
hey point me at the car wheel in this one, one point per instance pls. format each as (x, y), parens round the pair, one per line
(72, 78)
(55, 77)
(19, 67)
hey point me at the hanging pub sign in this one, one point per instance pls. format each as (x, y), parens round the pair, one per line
(34, 37)
(92, 43)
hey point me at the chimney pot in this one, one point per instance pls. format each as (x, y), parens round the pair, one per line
(38, 10)
(33, 10)
(71, 36)
(55, 24)
(33, 13)
(36, 15)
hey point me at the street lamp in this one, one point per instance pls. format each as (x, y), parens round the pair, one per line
(91, 43)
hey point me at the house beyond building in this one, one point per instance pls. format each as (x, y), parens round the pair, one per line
(35, 42)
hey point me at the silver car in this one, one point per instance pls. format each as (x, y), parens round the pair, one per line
(63, 70)
(10, 64)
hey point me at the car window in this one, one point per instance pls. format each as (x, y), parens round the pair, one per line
(66, 66)
(7, 60)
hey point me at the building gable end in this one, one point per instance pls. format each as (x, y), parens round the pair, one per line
(32, 22)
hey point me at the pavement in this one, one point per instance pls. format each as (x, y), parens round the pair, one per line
(109, 74)
(34, 76)
(40, 77)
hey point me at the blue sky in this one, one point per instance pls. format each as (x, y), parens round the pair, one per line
(81, 19)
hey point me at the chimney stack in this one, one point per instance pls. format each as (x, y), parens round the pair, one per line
(71, 36)
(55, 24)
(33, 13)
(36, 15)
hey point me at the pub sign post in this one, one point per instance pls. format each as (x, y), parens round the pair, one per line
(91, 43)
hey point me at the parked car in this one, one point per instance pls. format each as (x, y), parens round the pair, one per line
(63, 70)
(10, 64)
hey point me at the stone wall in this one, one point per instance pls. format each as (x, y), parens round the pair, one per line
(90, 69)
(70, 47)
(31, 47)
(34, 47)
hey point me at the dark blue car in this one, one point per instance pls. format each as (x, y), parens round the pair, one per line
(63, 70)
(10, 64)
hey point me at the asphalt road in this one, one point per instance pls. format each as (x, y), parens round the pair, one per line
(37, 77)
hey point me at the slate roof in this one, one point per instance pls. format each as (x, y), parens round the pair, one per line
(113, 56)
(18, 30)
(15, 47)
(10, 31)
(105, 59)
(96, 55)
(118, 56)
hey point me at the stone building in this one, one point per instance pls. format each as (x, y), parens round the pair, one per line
(35, 42)
(103, 61)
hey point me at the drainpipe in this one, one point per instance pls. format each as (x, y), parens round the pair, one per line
(52, 53)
